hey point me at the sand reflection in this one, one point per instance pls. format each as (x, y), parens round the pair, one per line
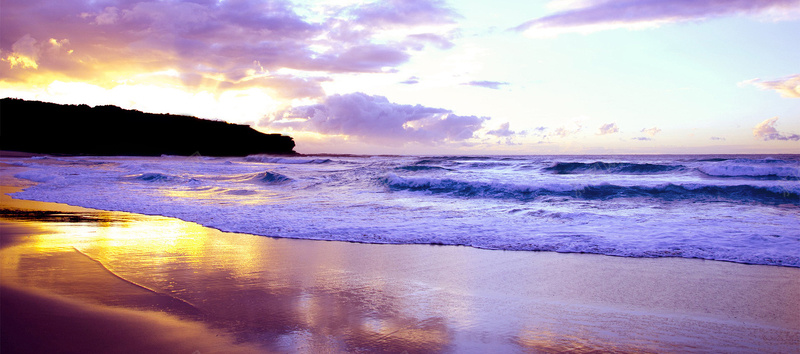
(265, 291)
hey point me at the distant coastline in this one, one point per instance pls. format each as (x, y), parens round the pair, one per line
(49, 128)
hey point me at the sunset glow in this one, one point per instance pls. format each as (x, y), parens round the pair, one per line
(429, 76)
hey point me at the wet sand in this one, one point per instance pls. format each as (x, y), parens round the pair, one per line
(35, 321)
(76, 279)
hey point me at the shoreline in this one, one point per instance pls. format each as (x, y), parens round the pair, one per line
(289, 294)
(535, 216)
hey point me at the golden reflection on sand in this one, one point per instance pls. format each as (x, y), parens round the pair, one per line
(233, 280)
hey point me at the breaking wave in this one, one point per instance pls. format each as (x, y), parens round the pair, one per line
(270, 178)
(422, 168)
(154, 177)
(752, 171)
(563, 168)
(669, 191)
(283, 160)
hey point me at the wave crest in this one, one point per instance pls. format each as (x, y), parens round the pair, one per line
(563, 168)
(270, 178)
(422, 168)
(669, 191)
(752, 171)
(154, 177)
(283, 160)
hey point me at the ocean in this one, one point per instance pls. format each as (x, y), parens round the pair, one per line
(737, 208)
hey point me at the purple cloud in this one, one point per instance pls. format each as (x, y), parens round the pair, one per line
(503, 131)
(766, 131)
(494, 85)
(213, 43)
(375, 119)
(411, 81)
(716, 138)
(404, 12)
(608, 128)
(642, 138)
(622, 13)
(363, 58)
(788, 86)
(418, 41)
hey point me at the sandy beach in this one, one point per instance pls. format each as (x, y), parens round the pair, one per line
(390, 176)
(83, 280)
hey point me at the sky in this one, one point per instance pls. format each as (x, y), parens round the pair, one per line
(429, 76)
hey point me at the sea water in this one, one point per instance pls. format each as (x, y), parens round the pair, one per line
(742, 208)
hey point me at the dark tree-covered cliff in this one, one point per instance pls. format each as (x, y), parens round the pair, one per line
(41, 127)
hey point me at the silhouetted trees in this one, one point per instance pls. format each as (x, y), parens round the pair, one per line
(42, 127)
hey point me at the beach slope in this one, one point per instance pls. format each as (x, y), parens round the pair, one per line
(83, 280)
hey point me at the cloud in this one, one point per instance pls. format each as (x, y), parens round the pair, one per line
(652, 131)
(362, 58)
(403, 12)
(642, 138)
(494, 85)
(594, 15)
(108, 16)
(564, 132)
(787, 87)
(283, 86)
(716, 138)
(505, 134)
(766, 131)
(376, 120)
(418, 41)
(24, 53)
(210, 44)
(503, 131)
(410, 81)
(608, 128)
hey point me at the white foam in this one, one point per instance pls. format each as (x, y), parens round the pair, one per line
(36, 176)
(354, 204)
(723, 170)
